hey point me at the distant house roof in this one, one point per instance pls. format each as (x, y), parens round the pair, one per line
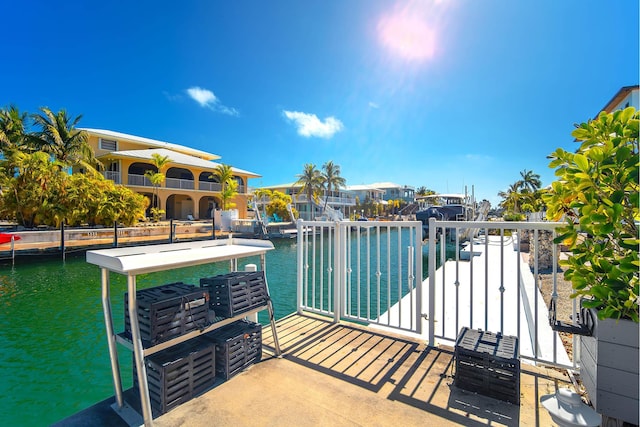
(389, 185)
(285, 185)
(364, 187)
(618, 97)
(175, 157)
(151, 143)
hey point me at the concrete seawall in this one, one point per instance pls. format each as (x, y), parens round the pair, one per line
(43, 241)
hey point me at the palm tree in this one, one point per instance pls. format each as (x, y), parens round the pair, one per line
(310, 181)
(331, 179)
(12, 136)
(224, 174)
(157, 177)
(60, 138)
(511, 198)
(530, 181)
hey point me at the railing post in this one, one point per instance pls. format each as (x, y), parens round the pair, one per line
(418, 280)
(62, 249)
(338, 285)
(432, 281)
(300, 259)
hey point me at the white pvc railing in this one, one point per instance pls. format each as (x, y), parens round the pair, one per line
(183, 184)
(113, 176)
(139, 180)
(371, 272)
(360, 271)
(487, 284)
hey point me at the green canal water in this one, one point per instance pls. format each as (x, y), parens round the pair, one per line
(53, 350)
(54, 359)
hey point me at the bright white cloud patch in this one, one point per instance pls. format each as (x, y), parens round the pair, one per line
(310, 125)
(373, 105)
(203, 97)
(208, 99)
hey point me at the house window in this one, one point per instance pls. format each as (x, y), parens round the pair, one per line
(109, 145)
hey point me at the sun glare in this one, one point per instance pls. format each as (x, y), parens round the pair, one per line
(410, 30)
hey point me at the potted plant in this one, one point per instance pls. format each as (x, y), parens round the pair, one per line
(597, 194)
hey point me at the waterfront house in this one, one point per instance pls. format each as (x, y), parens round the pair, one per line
(627, 96)
(189, 190)
(366, 192)
(394, 191)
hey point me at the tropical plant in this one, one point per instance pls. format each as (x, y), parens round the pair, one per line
(511, 198)
(229, 186)
(28, 180)
(310, 181)
(278, 202)
(530, 181)
(523, 195)
(424, 191)
(229, 191)
(12, 131)
(157, 177)
(597, 192)
(60, 138)
(331, 179)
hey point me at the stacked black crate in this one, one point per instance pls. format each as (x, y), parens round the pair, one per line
(236, 293)
(179, 373)
(237, 346)
(488, 363)
(168, 311)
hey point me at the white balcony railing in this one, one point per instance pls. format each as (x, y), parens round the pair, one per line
(113, 176)
(209, 186)
(184, 184)
(139, 180)
(217, 187)
(333, 200)
(372, 272)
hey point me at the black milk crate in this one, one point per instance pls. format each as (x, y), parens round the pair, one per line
(179, 373)
(238, 346)
(168, 311)
(235, 293)
(488, 363)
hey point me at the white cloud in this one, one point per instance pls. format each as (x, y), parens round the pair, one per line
(208, 99)
(310, 125)
(373, 105)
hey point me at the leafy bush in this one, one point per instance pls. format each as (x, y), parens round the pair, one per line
(597, 194)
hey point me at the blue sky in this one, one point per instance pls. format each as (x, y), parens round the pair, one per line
(440, 94)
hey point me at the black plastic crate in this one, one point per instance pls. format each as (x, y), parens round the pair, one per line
(236, 293)
(488, 363)
(179, 373)
(238, 346)
(168, 311)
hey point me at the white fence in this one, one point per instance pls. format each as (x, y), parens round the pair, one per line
(360, 271)
(371, 272)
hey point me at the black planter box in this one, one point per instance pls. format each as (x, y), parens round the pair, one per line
(235, 293)
(488, 364)
(238, 346)
(168, 311)
(179, 373)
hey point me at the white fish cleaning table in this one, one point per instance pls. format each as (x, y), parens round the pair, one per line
(131, 261)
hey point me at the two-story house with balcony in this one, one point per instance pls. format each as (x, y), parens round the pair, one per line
(394, 191)
(190, 188)
(367, 192)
